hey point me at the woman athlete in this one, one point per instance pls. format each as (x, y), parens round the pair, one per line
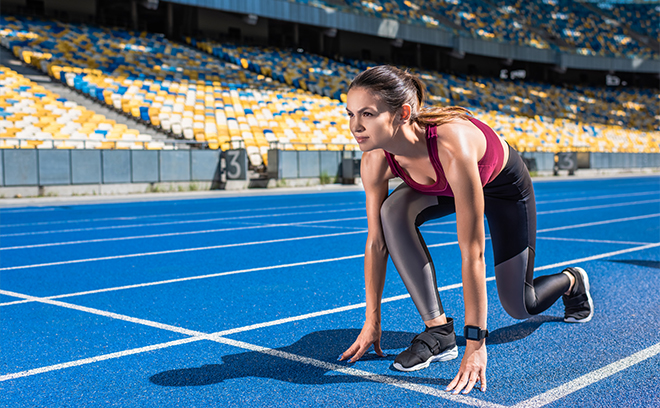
(450, 162)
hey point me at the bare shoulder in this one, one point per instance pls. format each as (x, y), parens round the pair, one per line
(374, 169)
(460, 138)
(456, 129)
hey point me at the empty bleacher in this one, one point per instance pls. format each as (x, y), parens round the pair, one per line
(564, 25)
(229, 96)
(532, 116)
(186, 92)
(33, 117)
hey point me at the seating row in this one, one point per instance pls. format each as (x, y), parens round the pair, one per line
(33, 117)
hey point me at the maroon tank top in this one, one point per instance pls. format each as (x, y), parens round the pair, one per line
(488, 165)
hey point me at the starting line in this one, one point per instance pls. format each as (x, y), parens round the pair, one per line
(535, 402)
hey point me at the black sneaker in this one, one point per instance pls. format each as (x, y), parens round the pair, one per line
(433, 344)
(579, 305)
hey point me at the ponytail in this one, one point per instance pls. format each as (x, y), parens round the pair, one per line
(436, 116)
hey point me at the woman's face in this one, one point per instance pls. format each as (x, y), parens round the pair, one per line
(371, 121)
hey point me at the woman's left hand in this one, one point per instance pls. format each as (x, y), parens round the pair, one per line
(473, 369)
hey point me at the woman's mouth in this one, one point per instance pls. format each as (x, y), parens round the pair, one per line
(360, 139)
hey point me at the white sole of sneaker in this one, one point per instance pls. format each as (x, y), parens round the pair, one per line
(444, 356)
(585, 279)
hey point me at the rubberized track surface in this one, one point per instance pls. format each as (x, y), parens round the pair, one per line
(248, 301)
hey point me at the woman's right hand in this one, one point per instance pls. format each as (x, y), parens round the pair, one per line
(369, 335)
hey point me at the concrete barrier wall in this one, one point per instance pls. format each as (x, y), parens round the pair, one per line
(70, 167)
(283, 164)
(624, 160)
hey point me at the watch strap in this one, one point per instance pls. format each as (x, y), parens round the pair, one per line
(474, 333)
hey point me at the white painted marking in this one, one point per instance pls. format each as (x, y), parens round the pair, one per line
(6, 211)
(156, 224)
(141, 285)
(579, 383)
(595, 257)
(179, 214)
(439, 232)
(172, 234)
(103, 357)
(103, 313)
(602, 197)
(591, 224)
(576, 385)
(190, 278)
(595, 241)
(196, 336)
(178, 251)
(596, 207)
(328, 312)
(359, 373)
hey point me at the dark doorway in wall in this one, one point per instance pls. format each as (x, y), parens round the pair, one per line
(35, 6)
(281, 34)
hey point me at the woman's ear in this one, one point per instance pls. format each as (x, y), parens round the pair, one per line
(406, 111)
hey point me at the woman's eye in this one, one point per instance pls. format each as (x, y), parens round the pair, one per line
(367, 114)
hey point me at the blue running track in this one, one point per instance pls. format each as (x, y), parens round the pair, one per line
(248, 301)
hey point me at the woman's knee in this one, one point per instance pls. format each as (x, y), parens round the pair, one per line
(395, 207)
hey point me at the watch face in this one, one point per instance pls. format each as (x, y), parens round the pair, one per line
(472, 333)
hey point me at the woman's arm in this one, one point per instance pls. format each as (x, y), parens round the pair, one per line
(459, 154)
(375, 174)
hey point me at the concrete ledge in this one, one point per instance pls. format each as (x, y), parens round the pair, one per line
(19, 196)
(102, 189)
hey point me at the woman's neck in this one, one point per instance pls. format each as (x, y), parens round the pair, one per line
(409, 141)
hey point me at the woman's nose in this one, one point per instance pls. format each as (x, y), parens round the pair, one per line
(357, 127)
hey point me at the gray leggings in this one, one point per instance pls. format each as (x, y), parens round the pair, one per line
(510, 209)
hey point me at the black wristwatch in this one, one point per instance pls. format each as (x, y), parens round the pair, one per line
(474, 333)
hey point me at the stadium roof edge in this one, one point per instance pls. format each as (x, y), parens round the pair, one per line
(301, 13)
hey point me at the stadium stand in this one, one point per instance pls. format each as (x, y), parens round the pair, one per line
(564, 25)
(33, 117)
(233, 96)
(208, 100)
(532, 116)
(582, 30)
(643, 18)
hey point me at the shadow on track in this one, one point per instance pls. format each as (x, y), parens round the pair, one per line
(323, 345)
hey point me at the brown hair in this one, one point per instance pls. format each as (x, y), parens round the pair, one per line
(396, 87)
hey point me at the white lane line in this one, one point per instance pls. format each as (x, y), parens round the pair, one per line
(125, 218)
(328, 312)
(590, 378)
(591, 224)
(639, 248)
(297, 224)
(157, 224)
(595, 241)
(178, 251)
(595, 257)
(596, 207)
(196, 336)
(103, 357)
(173, 234)
(439, 232)
(202, 336)
(436, 392)
(137, 217)
(191, 278)
(602, 197)
(104, 313)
